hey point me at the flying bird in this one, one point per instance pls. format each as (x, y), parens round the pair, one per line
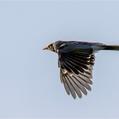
(76, 61)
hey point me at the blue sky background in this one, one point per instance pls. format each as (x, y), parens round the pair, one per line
(29, 77)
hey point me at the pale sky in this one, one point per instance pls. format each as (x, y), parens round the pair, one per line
(29, 77)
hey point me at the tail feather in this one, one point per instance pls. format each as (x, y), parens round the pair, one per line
(111, 47)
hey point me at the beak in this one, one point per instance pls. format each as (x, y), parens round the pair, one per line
(46, 48)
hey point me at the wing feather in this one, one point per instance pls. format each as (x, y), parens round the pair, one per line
(75, 86)
(71, 87)
(76, 72)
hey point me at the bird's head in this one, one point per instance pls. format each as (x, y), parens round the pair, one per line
(51, 47)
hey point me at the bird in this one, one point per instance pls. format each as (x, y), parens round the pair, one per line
(75, 61)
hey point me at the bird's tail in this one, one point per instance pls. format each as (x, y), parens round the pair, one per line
(111, 47)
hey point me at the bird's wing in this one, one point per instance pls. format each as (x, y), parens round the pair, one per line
(76, 71)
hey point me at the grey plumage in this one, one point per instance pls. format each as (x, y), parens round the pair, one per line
(76, 60)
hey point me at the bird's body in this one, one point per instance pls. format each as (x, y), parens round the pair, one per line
(76, 60)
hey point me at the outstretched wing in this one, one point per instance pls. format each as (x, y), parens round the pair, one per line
(76, 71)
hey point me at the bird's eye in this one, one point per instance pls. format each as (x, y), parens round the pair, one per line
(50, 47)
